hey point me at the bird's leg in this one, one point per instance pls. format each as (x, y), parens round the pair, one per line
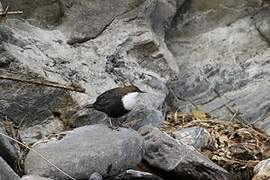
(111, 126)
(118, 122)
(126, 125)
(110, 120)
(123, 124)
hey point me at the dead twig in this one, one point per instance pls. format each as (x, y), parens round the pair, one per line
(4, 13)
(234, 145)
(235, 114)
(13, 133)
(46, 83)
(8, 125)
(10, 13)
(39, 154)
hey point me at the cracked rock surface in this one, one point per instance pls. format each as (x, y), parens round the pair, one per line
(208, 55)
(106, 52)
(223, 60)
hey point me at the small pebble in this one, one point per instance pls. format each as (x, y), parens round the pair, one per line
(95, 176)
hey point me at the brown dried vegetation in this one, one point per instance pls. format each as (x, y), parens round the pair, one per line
(236, 146)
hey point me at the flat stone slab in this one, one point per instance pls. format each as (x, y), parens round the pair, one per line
(178, 160)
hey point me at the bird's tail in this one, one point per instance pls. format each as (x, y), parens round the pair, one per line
(89, 106)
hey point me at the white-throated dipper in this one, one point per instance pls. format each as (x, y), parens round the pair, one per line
(117, 102)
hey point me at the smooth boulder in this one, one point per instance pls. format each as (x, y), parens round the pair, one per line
(86, 150)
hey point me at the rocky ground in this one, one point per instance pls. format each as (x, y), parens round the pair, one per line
(203, 58)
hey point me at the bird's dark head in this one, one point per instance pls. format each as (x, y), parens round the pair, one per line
(133, 88)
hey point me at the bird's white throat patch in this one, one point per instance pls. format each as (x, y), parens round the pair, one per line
(130, 100)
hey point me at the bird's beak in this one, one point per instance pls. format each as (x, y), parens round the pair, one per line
(143, 92)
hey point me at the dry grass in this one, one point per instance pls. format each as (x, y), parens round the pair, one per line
(14, 137)
(236, 146)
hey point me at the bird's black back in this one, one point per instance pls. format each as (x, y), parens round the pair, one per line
(110, 102)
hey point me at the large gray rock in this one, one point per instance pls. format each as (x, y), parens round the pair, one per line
(85, 20)
(111, 57)
(26, 104)
(221, 48)
(86, 150)
(32, 104)
(178, 160)
(6, 173)
(196, 17)
(142, 115)
(224, 67)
